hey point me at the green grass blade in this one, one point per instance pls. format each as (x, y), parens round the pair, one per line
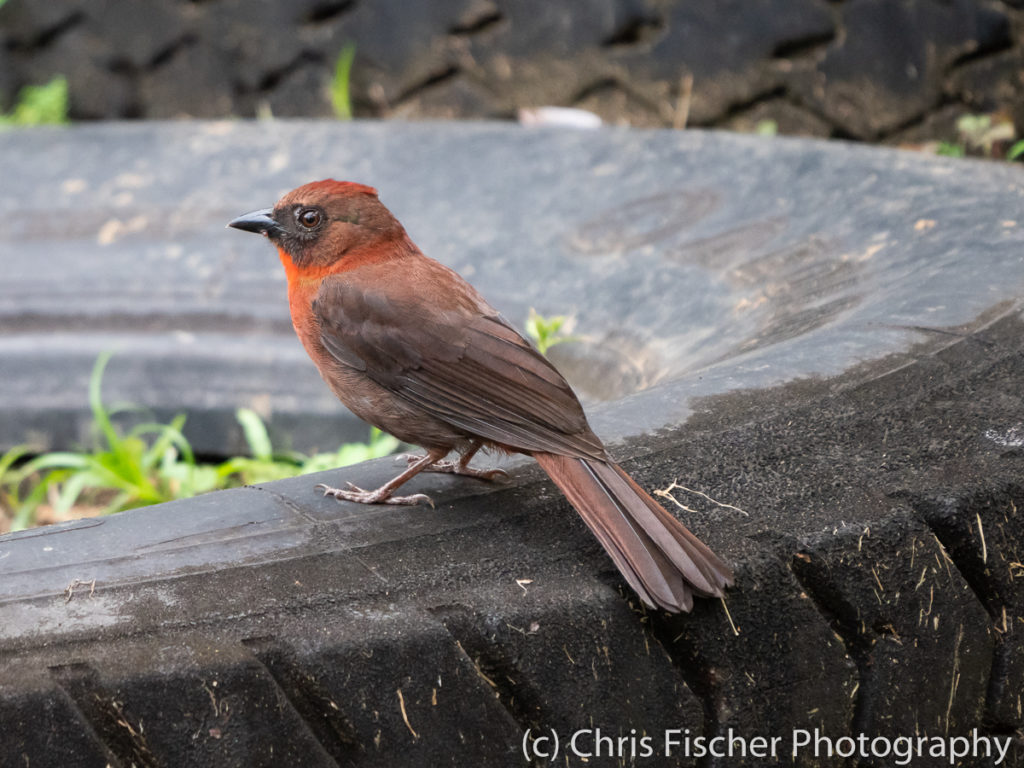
(25, 514)
(169, 435)
(10, 457)
(546, 332)
(255, 434)
(341, 97)
(126, 461)
(382, 444)
(195, 479)
(40, 105)
(99, 413)
(71, 491)
(120, 503)
(950, 149)
(55, 460)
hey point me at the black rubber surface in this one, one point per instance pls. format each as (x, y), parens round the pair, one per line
(827, 338)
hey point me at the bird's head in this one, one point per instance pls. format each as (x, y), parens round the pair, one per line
(319, 223)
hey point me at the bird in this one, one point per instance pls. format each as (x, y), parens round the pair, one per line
(413, 349)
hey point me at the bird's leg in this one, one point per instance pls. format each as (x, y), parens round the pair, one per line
(460, 467)
(383, 494)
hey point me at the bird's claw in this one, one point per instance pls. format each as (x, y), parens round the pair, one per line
(491, 475)
(379, 496)
(457, 468)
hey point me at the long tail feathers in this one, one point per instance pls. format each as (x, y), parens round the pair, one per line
(657, 555)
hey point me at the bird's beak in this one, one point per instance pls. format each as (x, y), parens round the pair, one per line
(261, 222)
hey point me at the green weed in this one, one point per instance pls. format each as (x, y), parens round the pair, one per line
(341, 97)
(265, 464)
(546, 332)
(150, 464)
(950, 149)
(981, 136)
(40, 105)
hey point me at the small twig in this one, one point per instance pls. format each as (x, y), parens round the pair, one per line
(677, 502)
(667, 494)
(476, 666)
(213, 698)
(405, 717)
(682, 111)
(946, 559)
(69, 591)
(981, 533)
(878, 581)
(728, 615)
(955, 676)
(921, 580)
(532, 630)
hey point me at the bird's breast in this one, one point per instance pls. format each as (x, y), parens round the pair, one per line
(300, 302)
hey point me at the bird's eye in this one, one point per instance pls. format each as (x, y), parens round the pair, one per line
(309, 217)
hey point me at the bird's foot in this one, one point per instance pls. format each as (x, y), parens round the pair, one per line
(379, 496)
(457, 468)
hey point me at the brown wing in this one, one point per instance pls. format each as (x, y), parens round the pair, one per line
(458, 359)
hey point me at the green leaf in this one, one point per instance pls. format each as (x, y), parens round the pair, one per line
(99, 413)
(154, 462)
(203, 478)
(382, 444)
(183, 480)
(255, 433)
(1015, 151)
(72, 490)
(120, 503)
(25, 514)
(170, 440)
(546, 332)
(15, 453)
(110, 473)
(55, 460)
(949, 149)
(972, 126)
(341, 98)
(40, 105)
(25, 511)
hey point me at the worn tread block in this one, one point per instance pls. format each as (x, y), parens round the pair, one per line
(121, 732)
(569, 656)
(781, 667)
(41, 722)
(191, 702)
(895, 596)
(983, 530)
(406, 691)
(314, 704)
(909, 46)
(734, 62)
